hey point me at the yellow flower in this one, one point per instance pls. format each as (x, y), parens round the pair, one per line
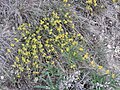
(58, 29)
(41, 50)
(47, 45)
(16, 39)
(74, 13)
(86, 56)
(70, 39)
(47, 62)
(100, 67)
(34, 46)
(74, 53)
(95, 2)
(15, 63)
(65, 1)
(49, 50)
(50, 32)
(49, 57)
(35, 51)
(79, 35)
(73, 26)
(23, 45)
(75, 43)
(66, 15)
(19, 51)
(45, 19)
(89, 2)
(113, 76)
(89, 8)
(81, 49)
(61, 50)
(69, 5)
(27, 53)
(25, 49)
(12, 45)
(19, 65)
(19, 28)
(41, 22)
(8, 50)
(36, 66)
(64, 4)
(69, 20)
(37, 31)
(18, 75)
(114, 1)
(27, 32)
(33, 34)
(46, 27)
(35, 72)
(23, 34)
(28, 68)
(29, 24)
(58, 21)
(107, 71)
(40, 45)
(34, 63)
(72, 66)
(44, 55)
(23, 59)
(55, 15)
(28, 76)
(34, 40)
(67, 49)
(52, 62)
(35, 57)
(17, 59)
(28, 61)
(38, 37)
(13, 66)
(21, 69)
(53, 49)
(92, 63)
(65, 22)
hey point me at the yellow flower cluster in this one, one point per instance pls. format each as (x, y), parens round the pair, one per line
(73, 66)
(90, 2)
(49, 39)
(86, 56)
(93, 64)
(81, 49)
(100, 67)
(65, 1)
(114, 1)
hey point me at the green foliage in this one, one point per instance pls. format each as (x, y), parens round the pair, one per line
(51, 78)
(45, 43)
(101, 82)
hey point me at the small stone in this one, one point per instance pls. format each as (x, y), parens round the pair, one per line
(109, 46)
(2, 77)
(36, 79)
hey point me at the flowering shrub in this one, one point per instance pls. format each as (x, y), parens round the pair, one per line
(91, 4)
(50, 50)
(45, 43)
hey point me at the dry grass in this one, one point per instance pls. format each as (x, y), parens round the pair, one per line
(87, 65)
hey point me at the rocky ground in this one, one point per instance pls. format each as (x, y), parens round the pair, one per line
(101, 30)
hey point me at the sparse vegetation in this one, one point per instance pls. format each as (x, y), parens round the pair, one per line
(51, 45)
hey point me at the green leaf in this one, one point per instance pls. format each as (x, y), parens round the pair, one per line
(42, 79)
(50, 81)
(42, 87)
